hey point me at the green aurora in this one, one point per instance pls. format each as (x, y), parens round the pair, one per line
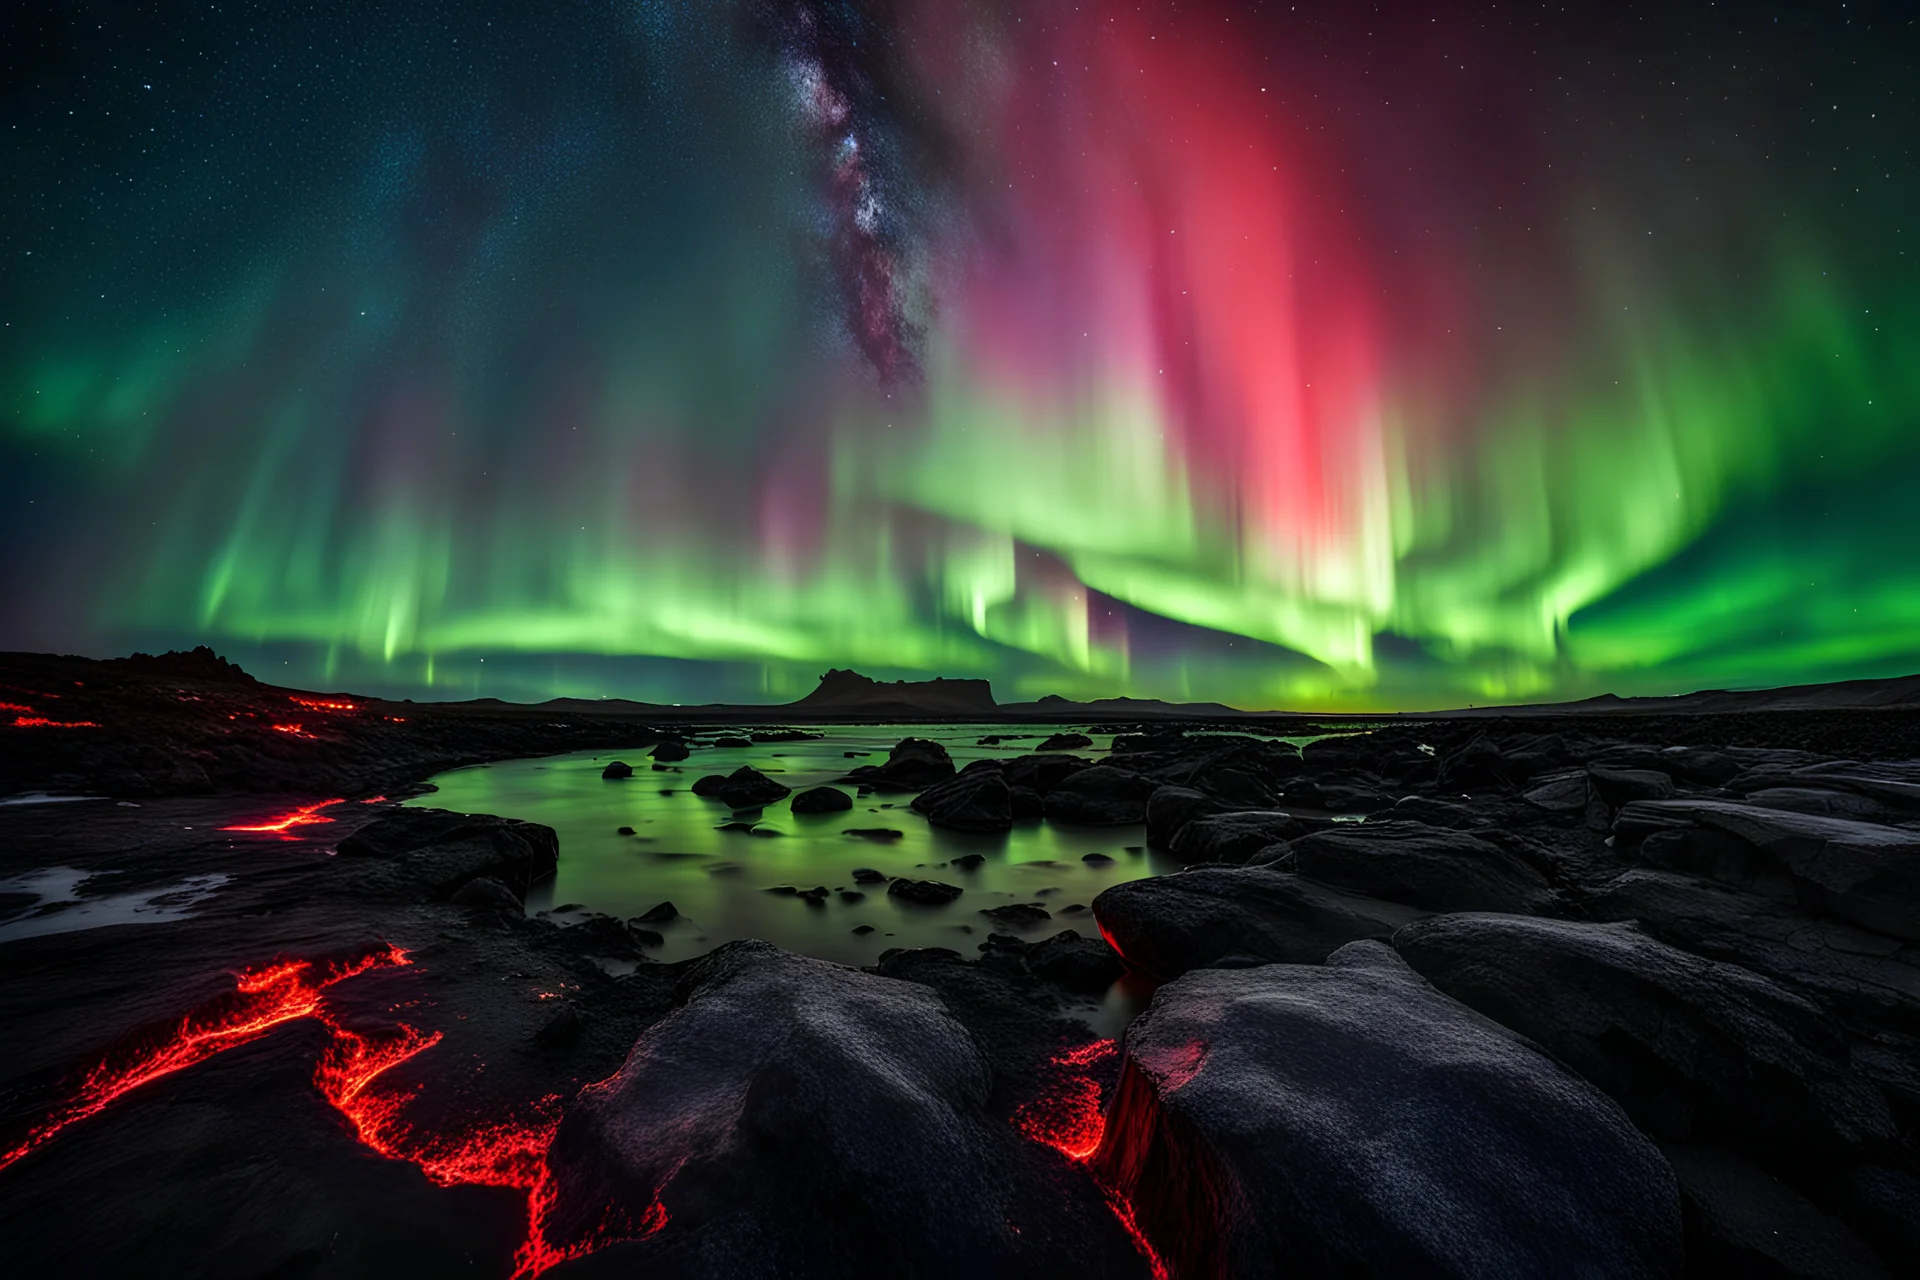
(708, 365)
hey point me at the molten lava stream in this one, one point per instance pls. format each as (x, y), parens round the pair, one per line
(305, 816)
(261, 1000)
(1070, 1116)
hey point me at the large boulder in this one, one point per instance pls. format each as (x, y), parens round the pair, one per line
(1477, 766)
(668, 750)
(1234, 837)
(1101, 796)
(1421, 866)
(1868, 980)
(1348, 1119)
(435, 852)
(976, 800)
(1694, 1049)
(748, 788)
(1894, 783)
(1041, 773)
(822, 800)
(1171, 808)
(1858, 871)
(1167, 925)
(1066, 742)
(796, 1118)
(915, 763)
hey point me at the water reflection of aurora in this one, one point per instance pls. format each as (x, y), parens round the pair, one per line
(1140, 353)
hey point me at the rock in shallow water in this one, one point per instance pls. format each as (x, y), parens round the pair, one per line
(748, 788)
(1233, 837)
(821, 800)
(1101, 796)
(1348, 1119)
(796, 1118)
(438, 852)
(977, 800)
(930, 893)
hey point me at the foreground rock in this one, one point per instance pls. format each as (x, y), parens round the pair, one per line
(1348, 1119)
(977, 800)
(913, 764)
(797, 1118)
(1413, 863)
(410, 850)
(1694, 1049)
(1858, 871)
(1742, 1222)
(1168, 925)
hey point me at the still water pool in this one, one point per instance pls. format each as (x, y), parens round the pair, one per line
(724, 884)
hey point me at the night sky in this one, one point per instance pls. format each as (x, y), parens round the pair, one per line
(1319, 355)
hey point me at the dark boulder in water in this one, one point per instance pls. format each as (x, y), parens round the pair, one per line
(976, 800)
(1066, 742)
(748, 788)
(928, 893)
(669, 750)
(618, 769)
(822, 800)
(1101, 796)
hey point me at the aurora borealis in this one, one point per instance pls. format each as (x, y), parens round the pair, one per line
(1315, 355)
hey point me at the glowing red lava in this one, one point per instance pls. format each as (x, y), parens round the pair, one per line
(41, 722)
(306, 816)
(14, 706)
(293, 729)
(261, 1000)
(511, 1153)
(316, 704)
(1070, 1116)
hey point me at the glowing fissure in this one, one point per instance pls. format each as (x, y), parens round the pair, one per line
(41, 722)
(305, 816)
(511, 1153)
(1069, 1115)
(262, 1000)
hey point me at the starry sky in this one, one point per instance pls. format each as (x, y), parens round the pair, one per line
(1316, 355)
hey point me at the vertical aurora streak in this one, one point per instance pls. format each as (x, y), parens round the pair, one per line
(683, 349)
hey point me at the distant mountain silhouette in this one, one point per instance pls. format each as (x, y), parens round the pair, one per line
(851, 691)
(1838, 695)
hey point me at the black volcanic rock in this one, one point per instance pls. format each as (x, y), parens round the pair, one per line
(1065, 742)
(1862, 872)
(822, 800)
(1866, 979)
(1167, 925)
(709, 784)
(977, 800)
(913, 765)
(1101, 796)
(1694, 1049)
(928, 893)
(669, 750)
(748, 788)
(803, 1119)
(1170, 808)
(1041, 773)
(1233, 837)
(1742, 1222)
(850, 691)
(1348, 1119)
(1411, 862)
(617, 769)
(1621, 786)
(439, 852)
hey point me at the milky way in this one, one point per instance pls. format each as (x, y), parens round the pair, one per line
(1292, 355)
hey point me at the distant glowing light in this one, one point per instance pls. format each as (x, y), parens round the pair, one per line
(41, 722)
(316, 704)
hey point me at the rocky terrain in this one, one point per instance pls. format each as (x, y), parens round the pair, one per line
(1601, 996)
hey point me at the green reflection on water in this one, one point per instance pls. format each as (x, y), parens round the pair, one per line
(718, 880)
